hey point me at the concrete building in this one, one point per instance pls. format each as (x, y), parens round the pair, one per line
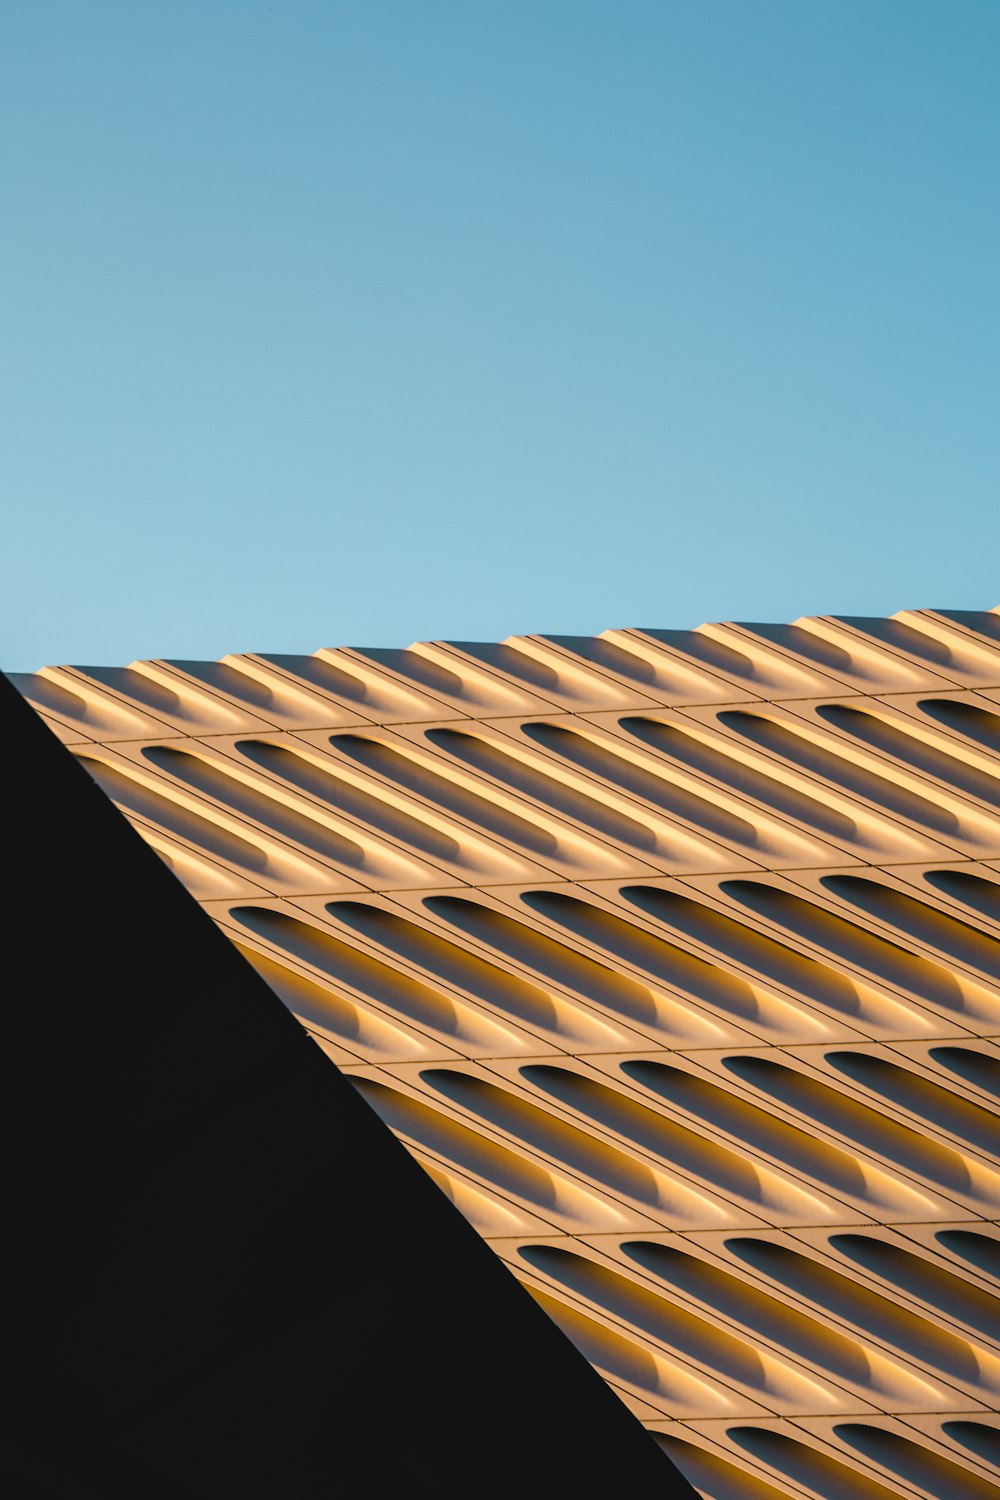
(673, 957)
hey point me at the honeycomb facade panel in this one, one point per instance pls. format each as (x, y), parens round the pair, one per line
(673, 957)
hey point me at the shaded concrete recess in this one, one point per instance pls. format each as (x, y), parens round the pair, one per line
(672, 957)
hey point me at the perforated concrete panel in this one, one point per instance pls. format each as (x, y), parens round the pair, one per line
(674, 958)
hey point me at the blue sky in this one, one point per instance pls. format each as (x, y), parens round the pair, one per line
(358, 323)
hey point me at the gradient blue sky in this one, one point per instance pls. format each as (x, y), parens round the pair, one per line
(357, 323)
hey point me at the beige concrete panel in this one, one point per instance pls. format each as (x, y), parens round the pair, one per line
(726, 1292)
(354, 1026)
(589, 1000)
(336, 960)
(86, 706)
(824, 645)
(802, 738)
(982, 624)
(702, 1000)
(494, 1216)
(968, 889)
(971, 1437)
(720, 1471)
(721, 1356)
(964, 725)
(967, 1067)
(751, 1170)
(740, 747)
(906, 763)
(908, 1080)
(509, 751)
(373, 777)
(457, 1138)
(446, 958)
(250, 683)
(206, 879)
(917, 1363)
(448, 678)
(846, 1117)
(909, 939)
(928, 731)
(741, 1156)
(181, 703)
(968, 1247)
(497, 678)
(906, 1452)
(813, 991)
(489, 919)
(751, 663)
(338, 1055)
(695, 821)
(313, 774)
(650, 672)
(938, 1289)
(928, 640)
(974, 653)
(506, 1096)
(834, 1270)
(67, 733)
(797, 1462)
(357, 683)
(230, 841)
(790, 819)
(891, 991)
(805, 1175)
(635, 1360)
(357, 1021)
(564, 679)
(237, 787)
(474, 768)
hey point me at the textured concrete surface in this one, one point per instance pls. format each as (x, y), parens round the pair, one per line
(674, 959)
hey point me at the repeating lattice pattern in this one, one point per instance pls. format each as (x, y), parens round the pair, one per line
(674, 957)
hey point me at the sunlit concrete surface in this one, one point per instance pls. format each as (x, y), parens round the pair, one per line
(674, 958)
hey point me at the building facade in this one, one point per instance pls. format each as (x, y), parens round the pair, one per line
(674, 959)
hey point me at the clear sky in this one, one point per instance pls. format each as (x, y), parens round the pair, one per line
(346, 323)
